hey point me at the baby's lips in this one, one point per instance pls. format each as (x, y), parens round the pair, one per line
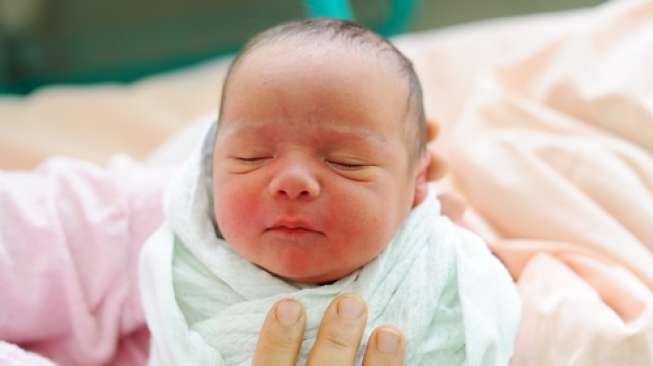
(291, 223)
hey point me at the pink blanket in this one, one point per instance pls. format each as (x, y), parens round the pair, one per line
(69, 244)
(548, 130)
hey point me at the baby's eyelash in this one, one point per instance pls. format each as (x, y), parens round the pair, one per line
(347, 166)
(252, 159)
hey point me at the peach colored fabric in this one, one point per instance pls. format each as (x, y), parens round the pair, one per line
(95, 122)
(552, 146)
(547, 125)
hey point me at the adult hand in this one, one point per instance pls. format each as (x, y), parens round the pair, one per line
(337, 340)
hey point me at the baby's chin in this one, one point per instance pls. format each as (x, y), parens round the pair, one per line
(302, 268)
(298, 264)
(316, 259)
(313, 279)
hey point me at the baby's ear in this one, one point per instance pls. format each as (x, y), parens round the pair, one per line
(432, 129)
(421, 175)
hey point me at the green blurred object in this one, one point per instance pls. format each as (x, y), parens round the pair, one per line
(46, 42)
(339, 9)
(395, 22)
(399, 18)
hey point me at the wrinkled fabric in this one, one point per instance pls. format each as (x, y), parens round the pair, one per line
(205, 305)
(69, 243)
(552, 147)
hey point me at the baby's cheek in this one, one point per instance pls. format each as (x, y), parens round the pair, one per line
(235, 211)
(358, 215)
(365, 225)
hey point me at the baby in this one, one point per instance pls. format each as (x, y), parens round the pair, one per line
(314, 183)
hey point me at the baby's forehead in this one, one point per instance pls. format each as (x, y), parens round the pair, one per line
(349, 71)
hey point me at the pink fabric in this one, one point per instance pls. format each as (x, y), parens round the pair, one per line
(69, 244)
(553, 149)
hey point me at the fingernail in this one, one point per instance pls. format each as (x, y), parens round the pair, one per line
(350, 307)
(288, 312)
(387, 341)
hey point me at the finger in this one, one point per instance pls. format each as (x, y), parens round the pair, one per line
(281, 335)
(453, 205)
(386, 346)
(340, 332)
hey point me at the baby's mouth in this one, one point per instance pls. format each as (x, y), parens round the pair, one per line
(293, 227)
(292, 230)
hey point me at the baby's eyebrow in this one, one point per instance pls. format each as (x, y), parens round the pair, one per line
(342, 133)
(356, 133)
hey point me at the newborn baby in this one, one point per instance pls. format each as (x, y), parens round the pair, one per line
(313, 183)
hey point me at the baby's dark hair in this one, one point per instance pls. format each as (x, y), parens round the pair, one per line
(342, 30)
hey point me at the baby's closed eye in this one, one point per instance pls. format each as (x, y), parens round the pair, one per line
(346, 165)
(353, 168)
(251, 159)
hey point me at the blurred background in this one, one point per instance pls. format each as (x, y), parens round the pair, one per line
(45, 42)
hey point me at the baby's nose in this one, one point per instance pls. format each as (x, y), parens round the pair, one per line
(294, 182)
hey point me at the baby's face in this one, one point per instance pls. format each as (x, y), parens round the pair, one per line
(311, 174)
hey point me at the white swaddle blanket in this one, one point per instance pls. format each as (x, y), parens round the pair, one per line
(204, 304)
